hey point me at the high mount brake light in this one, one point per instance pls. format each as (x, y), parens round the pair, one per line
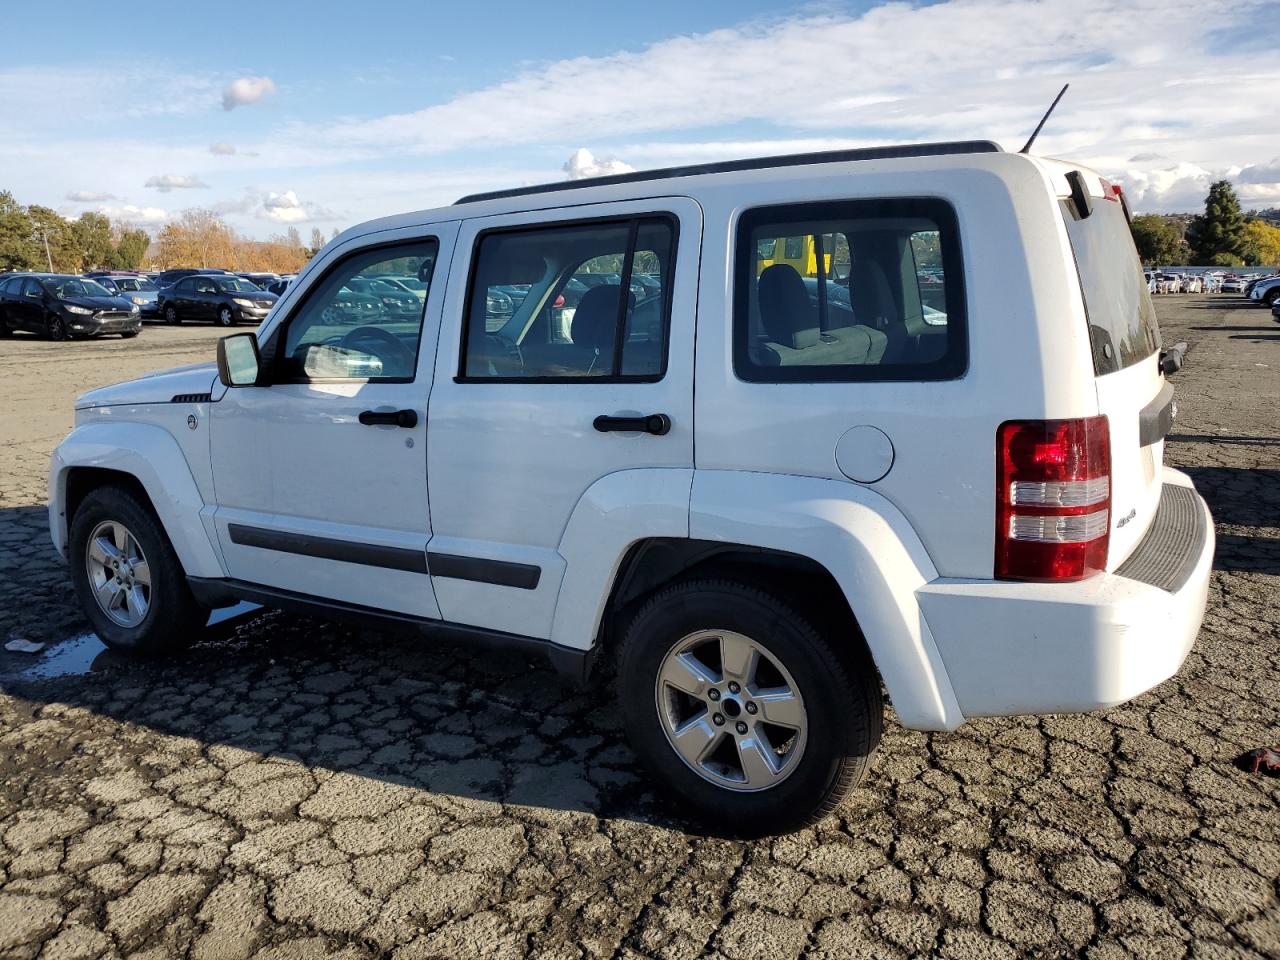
(1053, 499)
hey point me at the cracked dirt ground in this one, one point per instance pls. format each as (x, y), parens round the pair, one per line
(300, 790)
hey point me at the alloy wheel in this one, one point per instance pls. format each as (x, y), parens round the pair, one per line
(57, 327)
(731, 711)
(118, 573)
(170, 315)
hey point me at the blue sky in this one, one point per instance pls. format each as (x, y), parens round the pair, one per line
(319, 115)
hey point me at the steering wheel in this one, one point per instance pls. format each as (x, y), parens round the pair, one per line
(400, 354)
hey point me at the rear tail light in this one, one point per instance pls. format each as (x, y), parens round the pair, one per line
(559, 302)
(1053, 498)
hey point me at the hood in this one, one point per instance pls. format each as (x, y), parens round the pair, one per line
(159, 387)
(99, 303)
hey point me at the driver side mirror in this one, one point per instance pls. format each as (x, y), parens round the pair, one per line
(238, 362)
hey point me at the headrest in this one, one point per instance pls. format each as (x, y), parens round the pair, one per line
(596, 318)
(788, 317)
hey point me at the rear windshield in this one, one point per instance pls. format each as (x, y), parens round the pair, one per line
(1122, 319)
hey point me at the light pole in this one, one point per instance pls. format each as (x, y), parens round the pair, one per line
(44, 235)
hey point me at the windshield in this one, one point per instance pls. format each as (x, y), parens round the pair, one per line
(235, 285)
(73, 287)
(1122, 319)
(133, 284)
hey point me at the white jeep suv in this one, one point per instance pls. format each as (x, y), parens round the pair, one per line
(774, 434)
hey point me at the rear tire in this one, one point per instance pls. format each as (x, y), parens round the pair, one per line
(135, 595)
(793, 736)
(5, 329)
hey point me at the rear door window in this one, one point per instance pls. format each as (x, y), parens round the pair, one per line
(1122, 319)
(848, 291)
(547, 302)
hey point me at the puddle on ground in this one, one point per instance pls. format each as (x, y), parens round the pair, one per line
(69, 658)
(76, 656)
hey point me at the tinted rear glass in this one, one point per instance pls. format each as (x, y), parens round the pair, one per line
(1122, 319)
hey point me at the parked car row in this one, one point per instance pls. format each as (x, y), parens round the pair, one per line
(1264, 290)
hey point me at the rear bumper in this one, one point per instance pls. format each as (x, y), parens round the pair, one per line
(1034, 648)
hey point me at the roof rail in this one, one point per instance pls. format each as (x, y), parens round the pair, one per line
(754, 163)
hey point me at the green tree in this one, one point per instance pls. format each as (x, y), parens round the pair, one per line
(132, 249)
(57, 247)
(1224, 260)
(1158, 241)
(91, 235)
(18, 250)
(1220, 229)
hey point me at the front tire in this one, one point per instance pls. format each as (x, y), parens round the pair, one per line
(1271, 296)
(226, 318)
(171, 315)
(129, 580)
(741, 709)
(56, 328)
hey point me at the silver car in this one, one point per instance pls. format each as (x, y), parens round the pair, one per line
(138, 290)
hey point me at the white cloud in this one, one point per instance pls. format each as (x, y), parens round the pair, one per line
(89, 196)
(287, 208)
(958, 69)
(583, 163)
(165, 182)
(222, 149)
(246, 90)
(133, 214)
(1264, 173)
(283, 207)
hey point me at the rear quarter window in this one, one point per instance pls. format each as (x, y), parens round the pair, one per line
(1121, 316)
(854, 290)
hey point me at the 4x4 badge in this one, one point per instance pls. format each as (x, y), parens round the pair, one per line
(192, 422)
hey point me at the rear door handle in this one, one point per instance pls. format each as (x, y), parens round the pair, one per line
(391, 418)
(658, 424)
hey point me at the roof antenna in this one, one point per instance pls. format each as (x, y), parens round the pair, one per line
(1036, 132)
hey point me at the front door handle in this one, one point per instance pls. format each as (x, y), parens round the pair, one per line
(391, 418)
(658, 424)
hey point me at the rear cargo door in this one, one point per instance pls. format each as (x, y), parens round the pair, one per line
(1125, 337)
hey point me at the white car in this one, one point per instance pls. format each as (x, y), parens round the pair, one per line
(941, 477)
(1266, 292)
(1233, 284)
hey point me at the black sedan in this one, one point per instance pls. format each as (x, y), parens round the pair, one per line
(62, 307)
(223, 298)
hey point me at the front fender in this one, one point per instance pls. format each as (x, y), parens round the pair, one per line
(870, 549)
(151, 456)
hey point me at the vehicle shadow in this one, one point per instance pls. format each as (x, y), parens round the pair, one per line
(1242, 498)
(478, 725)
(1254, 336)
(1268, 326)
(1211, 304)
